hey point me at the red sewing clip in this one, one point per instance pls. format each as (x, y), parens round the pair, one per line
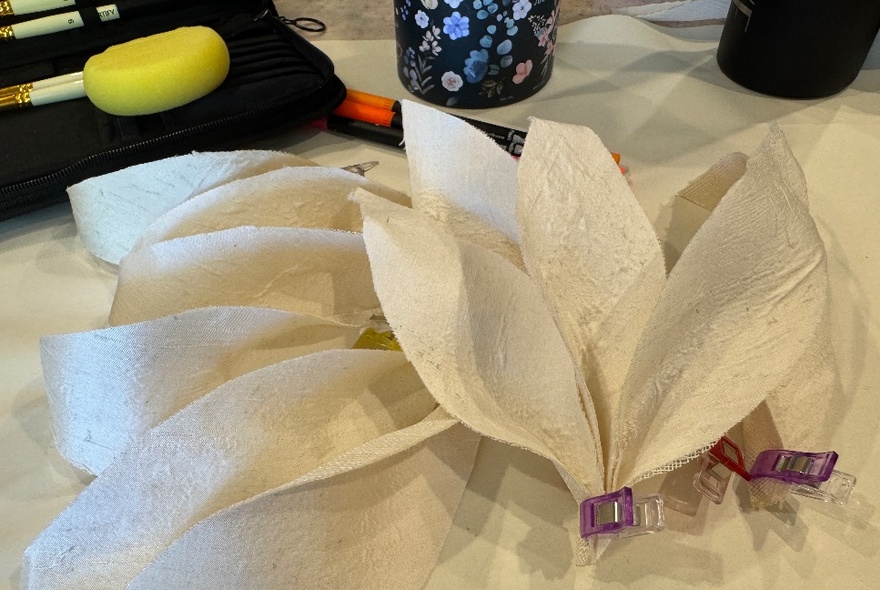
(716, 467)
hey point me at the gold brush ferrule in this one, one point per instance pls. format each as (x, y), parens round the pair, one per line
(15, 100)
(6, 33)
(6, 8)
(17, 88)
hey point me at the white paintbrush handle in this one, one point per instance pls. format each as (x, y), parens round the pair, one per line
(59, 22)
(31, 6)
(57, 93)
(55, 81)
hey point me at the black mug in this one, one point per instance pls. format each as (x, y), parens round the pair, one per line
(797, 48)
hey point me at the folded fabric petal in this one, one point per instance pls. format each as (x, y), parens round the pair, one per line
(737, 314)
(112, 210)
(591, 251)
(305, 196)
(108, 387)
(795, 415)
(375, 517)
(466, 226)
(459, 176)
(253, 434)
(323, 273)
(477, 331)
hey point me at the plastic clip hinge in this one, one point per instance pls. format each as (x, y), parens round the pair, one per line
(717, 465)
(618, 514)
(810, 474)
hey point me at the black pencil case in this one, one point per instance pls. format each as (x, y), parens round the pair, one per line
(277, 80)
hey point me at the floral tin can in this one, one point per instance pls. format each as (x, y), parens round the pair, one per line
(475, 53)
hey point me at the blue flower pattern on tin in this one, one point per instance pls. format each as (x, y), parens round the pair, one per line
(476, 66)
(489, 29)
(456, 26)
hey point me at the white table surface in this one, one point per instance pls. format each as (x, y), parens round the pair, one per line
(657, 97)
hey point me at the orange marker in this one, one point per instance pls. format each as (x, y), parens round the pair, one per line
(388, 104)
(379, 110)
(368, 114)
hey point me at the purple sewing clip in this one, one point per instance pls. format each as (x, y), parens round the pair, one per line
(618, 514)
(811, 474)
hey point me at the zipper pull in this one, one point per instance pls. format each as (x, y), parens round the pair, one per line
(304, 23)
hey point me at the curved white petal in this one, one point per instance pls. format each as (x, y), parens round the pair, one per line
(323, 273)
(108, 387)
(592, 252)
(373, 518)
(477, 331)
(739, 310)
(708, 188)
(250, 435)
(305, 196)
(795, 415)
(466, 226)
(114, 209)
(459, 175)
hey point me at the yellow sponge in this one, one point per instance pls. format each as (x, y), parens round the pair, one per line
(157, 73)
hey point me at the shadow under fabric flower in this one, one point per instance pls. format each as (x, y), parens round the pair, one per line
(533, 300)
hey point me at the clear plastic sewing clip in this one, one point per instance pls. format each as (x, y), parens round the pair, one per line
(618, 514)
(810, 474)
(717, 465)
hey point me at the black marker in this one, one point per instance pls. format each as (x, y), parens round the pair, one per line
(386, 112)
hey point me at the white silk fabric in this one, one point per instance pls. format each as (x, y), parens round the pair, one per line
(591, 356)
(239, 442)
(224, 412)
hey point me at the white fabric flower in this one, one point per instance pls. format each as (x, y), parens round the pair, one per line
(537, 309)
(226, 393)
(237, 436)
